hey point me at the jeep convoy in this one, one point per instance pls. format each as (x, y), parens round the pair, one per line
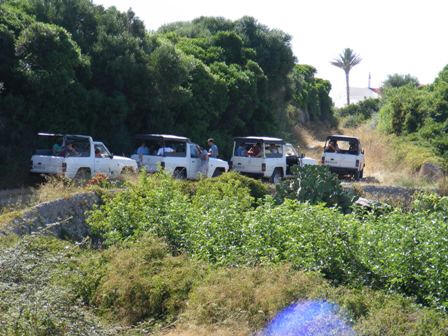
(265, 157)
(78, 157)
(178, 156)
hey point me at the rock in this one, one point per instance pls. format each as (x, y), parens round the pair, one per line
(64, 218)
(431, 171)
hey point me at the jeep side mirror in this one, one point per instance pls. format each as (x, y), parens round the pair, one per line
(302, 156)
(111, 156)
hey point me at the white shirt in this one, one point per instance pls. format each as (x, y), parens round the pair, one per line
(164, 149)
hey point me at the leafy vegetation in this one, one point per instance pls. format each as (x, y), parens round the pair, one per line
(399, 250)
(354, 115)
(314, 184)
(222, 260)
(419, 114)
(397, 80)
(104, 75)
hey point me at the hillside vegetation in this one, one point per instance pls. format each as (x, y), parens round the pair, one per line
(223, 256)
(403, 129)
(103, 74)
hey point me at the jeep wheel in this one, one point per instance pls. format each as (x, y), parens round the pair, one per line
(127, 171)
(277, 176)
(217, 172)
(180, 173)
(82, 175)
(357, 175)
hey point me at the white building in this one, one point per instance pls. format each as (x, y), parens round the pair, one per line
(356, 95)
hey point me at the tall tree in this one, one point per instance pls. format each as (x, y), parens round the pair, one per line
(397, 80)
(346, 61)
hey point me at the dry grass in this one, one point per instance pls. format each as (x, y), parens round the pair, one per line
(55, 188)
(194, 330)
(389, 159)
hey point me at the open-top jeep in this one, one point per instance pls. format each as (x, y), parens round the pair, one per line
(344, 156)
(178, 156)
(77, 157)
(266, 157)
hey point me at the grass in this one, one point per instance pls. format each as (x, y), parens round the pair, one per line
(53, 287)
(390, 160)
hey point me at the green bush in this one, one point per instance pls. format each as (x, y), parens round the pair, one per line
(136, 280)
(314, 184)
(354, 115)
(156, 204)
(397, 250)
(256, 188)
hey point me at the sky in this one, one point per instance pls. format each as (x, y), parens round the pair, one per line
(394, 36)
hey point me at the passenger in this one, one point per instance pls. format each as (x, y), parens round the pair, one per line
(353, 148)
(241, 150)
(332, 147)
(162, 150)
(98, 153)
(255, 150)
(143, 149)
(273, 149)
(69, 150)
(57, 149)
(213, 149)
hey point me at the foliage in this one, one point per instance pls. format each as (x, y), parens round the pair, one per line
(397, 80)
(256, 188)
(314, 184)
(397, 250)
(101, 73)
(354, 115)
(418, 113)
(51, 286)
(138, 280)
(156, 204)
(310, 99)
(35, 299)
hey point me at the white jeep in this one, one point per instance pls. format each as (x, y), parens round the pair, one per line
(266, 157)
(344, 156)
(178, 156)
(77, 157)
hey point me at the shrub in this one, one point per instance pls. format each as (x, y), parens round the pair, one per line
(250, 296)
(354, 115)
(139, 280)
(156, 204)
(256, 188)
(314, 184)
(395, 249)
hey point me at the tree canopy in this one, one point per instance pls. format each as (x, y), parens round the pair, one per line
(72, 66)
(398, 80)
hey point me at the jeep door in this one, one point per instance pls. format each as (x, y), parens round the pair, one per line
(240, 160)
(196, 165)
(274, 158)
(103, 161)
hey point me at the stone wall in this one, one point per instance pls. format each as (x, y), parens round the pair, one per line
(65, 218)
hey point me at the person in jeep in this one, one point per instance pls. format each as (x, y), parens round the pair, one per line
(332, 146)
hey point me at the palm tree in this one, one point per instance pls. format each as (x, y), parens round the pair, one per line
(346, 61)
